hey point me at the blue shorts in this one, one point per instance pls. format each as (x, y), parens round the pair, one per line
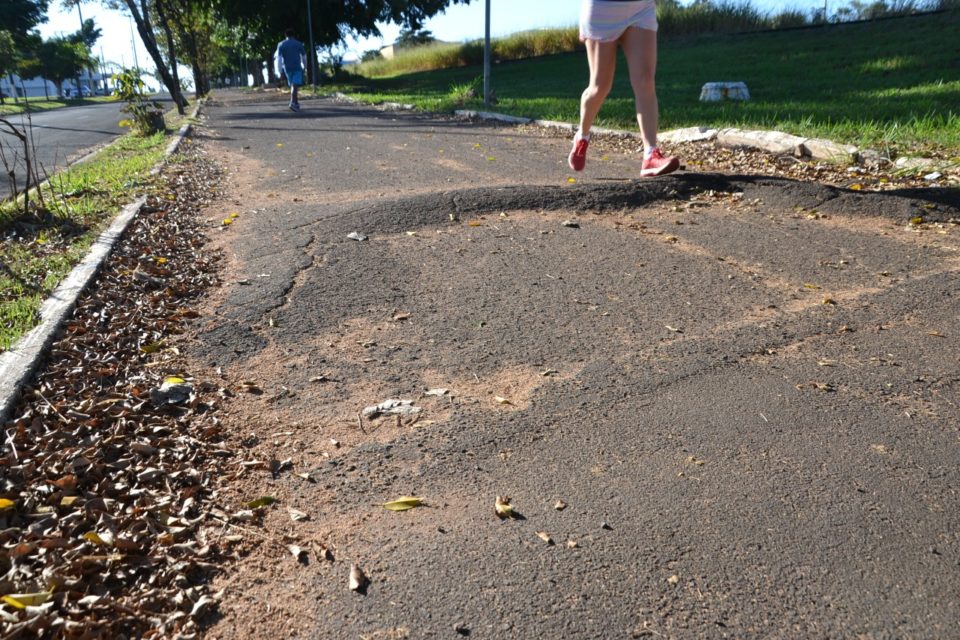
(294, 78)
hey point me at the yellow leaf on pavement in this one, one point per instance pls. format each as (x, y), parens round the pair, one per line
(403, 503)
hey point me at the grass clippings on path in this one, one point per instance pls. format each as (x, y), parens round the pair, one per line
(105, 493)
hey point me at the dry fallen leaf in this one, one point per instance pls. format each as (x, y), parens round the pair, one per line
(503, 508)
(24, 600)
(322, 552)
(296, 515)
(295, 551)
(6, 504)
(250, 387)
(403, 503)
(358, 579)
(543, 535)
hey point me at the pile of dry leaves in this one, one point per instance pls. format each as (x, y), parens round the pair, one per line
(108, 461)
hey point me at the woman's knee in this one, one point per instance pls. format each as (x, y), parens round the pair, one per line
(597, 90)
(643, 82)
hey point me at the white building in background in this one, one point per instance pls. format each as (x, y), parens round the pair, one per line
(12, 85)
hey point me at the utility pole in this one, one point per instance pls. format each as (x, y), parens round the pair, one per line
(486, 58)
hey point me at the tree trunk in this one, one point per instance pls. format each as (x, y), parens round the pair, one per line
(141, 16)
(171, 55)
(13, 87)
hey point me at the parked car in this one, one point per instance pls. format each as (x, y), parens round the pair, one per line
(68, 93)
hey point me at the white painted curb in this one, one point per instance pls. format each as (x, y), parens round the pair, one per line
(20, 362)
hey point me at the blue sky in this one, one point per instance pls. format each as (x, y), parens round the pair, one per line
(460, 22)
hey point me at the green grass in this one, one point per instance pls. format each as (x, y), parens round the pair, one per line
(38, 250)
(891, 84)
(42, 104)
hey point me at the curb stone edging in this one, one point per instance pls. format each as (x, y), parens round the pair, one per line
(21, 361)
(772, 141)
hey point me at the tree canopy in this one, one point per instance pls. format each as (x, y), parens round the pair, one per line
(194, 29)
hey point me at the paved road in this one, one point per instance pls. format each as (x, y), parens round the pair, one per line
(60, 136)
(743, 389)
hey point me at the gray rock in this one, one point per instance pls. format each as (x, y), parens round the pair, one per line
(773, 141)
(687, 134)
(820, 149)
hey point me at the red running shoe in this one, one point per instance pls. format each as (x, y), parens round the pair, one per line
(658, 165)
(578, 155)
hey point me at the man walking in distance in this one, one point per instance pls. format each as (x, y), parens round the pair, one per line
(291, 59)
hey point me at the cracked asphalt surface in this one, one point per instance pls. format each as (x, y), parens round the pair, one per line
(743, 388)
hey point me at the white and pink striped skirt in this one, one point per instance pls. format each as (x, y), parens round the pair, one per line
(606, 20)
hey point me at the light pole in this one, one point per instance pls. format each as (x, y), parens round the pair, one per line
(486, 58)
(313, 52)
(133, 44)
(80, 13)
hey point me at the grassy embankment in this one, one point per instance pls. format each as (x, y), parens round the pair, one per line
(891, 84)
(37, 250)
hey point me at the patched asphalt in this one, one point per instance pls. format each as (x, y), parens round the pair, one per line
(744, 388)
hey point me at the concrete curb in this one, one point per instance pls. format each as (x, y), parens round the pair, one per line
(771, 141)
(21, 361)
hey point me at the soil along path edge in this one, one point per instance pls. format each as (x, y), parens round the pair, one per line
(20, 362)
